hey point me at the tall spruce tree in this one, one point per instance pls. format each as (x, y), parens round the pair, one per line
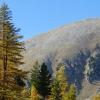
(44, 81)
(10, 53)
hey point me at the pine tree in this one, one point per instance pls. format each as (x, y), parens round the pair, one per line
(10, 54)
(55, 90)
(44, 81)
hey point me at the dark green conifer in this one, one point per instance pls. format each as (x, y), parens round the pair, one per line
(44, 81)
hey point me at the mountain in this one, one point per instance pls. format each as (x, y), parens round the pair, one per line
(74, 45)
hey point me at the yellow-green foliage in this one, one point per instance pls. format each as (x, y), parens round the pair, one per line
(55, 91)
(70, 95)
(34, 94)
(67, 91)
(61, 77)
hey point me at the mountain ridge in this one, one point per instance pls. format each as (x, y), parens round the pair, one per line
(72, 44)
(48, 40)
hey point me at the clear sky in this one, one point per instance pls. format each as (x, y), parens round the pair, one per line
(39, 16)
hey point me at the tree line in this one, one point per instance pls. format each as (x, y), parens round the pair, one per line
(45, 86)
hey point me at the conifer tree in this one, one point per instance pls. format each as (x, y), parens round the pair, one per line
(34, 93)
(55, 90)
(72, 92)
(10, 54)
(44, 81)
(35, 75)
(62, 78)
(67, 91)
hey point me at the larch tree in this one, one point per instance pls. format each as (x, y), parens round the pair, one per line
(55, 90)
(34, 94)
(11, 48)
(72, 92)
(62, 78)
(67, 90)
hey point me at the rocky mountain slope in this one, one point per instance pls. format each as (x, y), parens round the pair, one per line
(74, 45)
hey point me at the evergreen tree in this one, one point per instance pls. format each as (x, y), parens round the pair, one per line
(35, 75)
(44, 81)
(55, 90)
(10, 54)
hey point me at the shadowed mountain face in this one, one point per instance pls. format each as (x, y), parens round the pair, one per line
(74, 45)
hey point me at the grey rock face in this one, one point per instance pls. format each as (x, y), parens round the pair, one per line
(72, 45)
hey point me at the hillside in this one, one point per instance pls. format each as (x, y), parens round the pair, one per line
(74, 45)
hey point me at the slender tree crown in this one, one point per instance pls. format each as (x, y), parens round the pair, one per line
(10, 38)
(44, 81)
(35, 75)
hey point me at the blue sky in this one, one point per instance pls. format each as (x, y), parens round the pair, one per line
(39, 16)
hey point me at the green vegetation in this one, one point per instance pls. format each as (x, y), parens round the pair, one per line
(55, 89)
(67, 91)
(42, 79)
(12, 80)
(35, 75)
